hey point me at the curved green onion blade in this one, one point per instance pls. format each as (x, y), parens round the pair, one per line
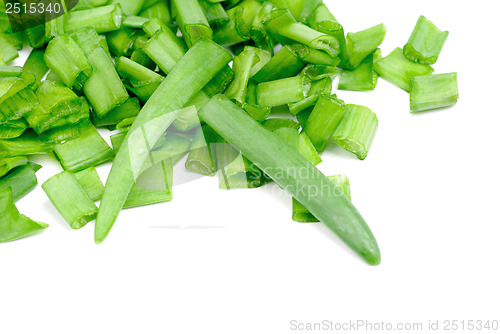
(293, 173)
(200, 64)
(14, 225)
(70, 199)
(398, 70)
(356, 130)
(425, 43)
(302, 215)
(430, 92)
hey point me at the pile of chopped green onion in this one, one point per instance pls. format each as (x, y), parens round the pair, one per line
(198, 78)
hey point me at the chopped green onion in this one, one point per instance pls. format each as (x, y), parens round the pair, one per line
(165, 49)
(188, 117)
(202, 62)
(278, 123)
(104, 89)
(233, 169)
(36, 36)
(313, 56)
(10, 71)
(200, 158)
(220, 82)
(300, 142)
(142, 81)
(13, 129)
(363, 43)
(160, 11)
(318, 87)
(16, 97)
(191, 20)
(21, 180)
(36, 66)
(70, 199)
(258, 32)
(293, 173)
(302, 215)
(363, 77)
(242, 66)
(14, 225)
(135, 21)
(323, 120)
(102, 19)
(430, 92)
(215, 13)
(284, 64)
(241, 18)
(398, 70)
(91, 183)
(283, 91)
(121, 41)
(130, 7)
(88, 150)
(284, 27)
(356, 130)
(8, 51)
(9, 163)
(308, 9)
(28, 144)
(425, 43)
(129, 109)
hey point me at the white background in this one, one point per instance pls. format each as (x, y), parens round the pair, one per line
(428, 189)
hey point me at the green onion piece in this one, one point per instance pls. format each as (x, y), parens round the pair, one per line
(152, 186)
(36, 36)
(91, 183)
(284, 64)
(65, 58)
(430, 92)
(36, 66)
(284, 27)
(283, 91)
(363, 77)
(151, 27)
(28, 144)
(363, 43)
(59, 105)
(55, 22)
(293, 173)
(130, 7)
(259, 113)
(16, 97)
(10, 71)
(308, 9)
(165, 49)
(302, 215)
(233, 169)
(8, 51)
(319, 87)
(323, 21)
(300, 142)
(129, 109)
(398, 70)
(215, 13)
(294, 6)
(88, 150)
(102, 19)
(220, 82)
(303, 116)
(104, 89)
(258, 32)
(313, 56)
(9, 163)
(200, 158)
(191, 20)
(172, 148)
(139, 79)
(263, 56)
(425, 43)
(278, 123)
(140, 57)
(188, 117)
(160, 11)
(21, 180)
(241, 18)
(14, 225)
(13, 129)
(242, 66)
(66, 132)
(356, 130)
(70, 199)
(134, 21)
(202, 62)
(121, 41)
(323, 120)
